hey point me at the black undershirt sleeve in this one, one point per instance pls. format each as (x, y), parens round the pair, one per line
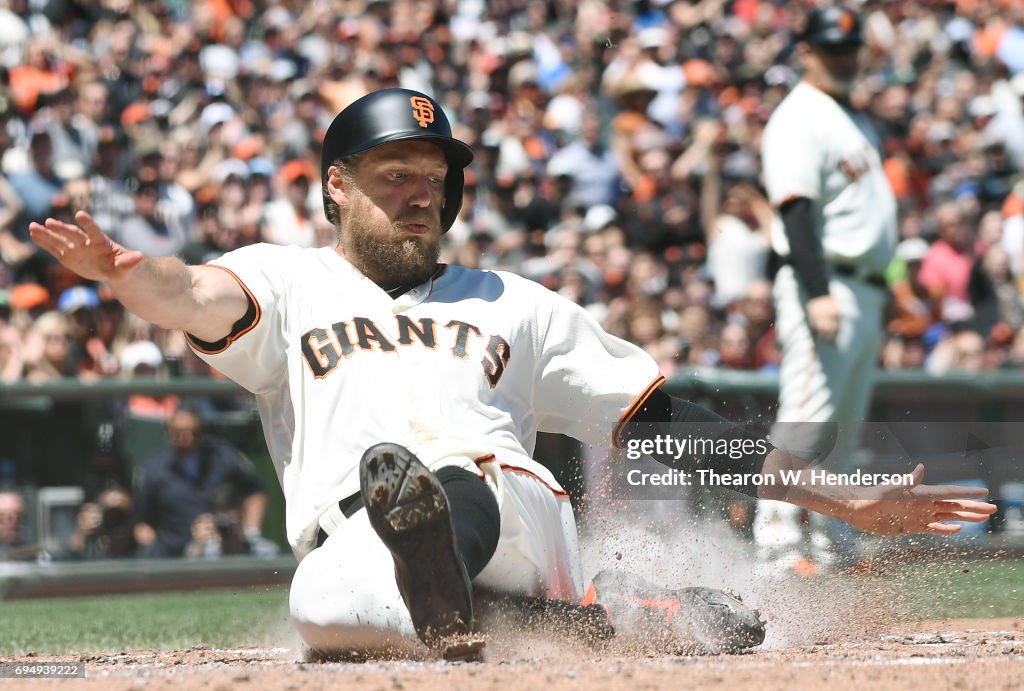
(238, 327)
(663, 415)
(805, 252)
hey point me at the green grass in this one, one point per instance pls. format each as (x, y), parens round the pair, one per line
(961, 589)
(920, 590)
(134, 622)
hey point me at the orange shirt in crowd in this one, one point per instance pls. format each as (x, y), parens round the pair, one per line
(28, 83)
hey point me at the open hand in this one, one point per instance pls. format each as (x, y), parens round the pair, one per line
(920, 508)
(84, 248)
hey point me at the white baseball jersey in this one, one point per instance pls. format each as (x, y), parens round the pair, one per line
(467, 367)
(813, 147)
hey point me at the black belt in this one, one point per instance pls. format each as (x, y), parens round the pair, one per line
(876, 280)
(349, 506)
(848, 270)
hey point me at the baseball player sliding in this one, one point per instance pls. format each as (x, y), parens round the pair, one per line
(401, 398)
(823, 172)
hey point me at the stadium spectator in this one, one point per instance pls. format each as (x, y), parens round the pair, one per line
(661, 214)
(12, 249)
(91, 112)
(738, 242)
(13, 546)
(111, 202)
(180, 483)
(104, 528)
(147, 229)
(220, 532)
(963, 350)
(48, 348)
(160, 162)
(38, 184)
(756, 309)
(1015, 356)
(73, 141)
(946, 268)
(212, 236)
(645, 327)
(288, 220)
(100, 344)
(994, 295)
(568, 115)
(35, 77)
(913, 308)
(734, 348)
(634, 92)
(12, 363)
(143, 359)
(80, 304)
(589, 165)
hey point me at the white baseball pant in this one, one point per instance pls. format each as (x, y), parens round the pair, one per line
(344, 597)
(821, 382)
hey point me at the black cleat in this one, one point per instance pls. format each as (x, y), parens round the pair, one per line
(683, 621)
(409, 511)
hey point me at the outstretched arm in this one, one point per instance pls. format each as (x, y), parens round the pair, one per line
(203, 300)
(882, 510)
(893, 510)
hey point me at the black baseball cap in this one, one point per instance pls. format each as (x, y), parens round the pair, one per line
(387, 116)
(833, 26)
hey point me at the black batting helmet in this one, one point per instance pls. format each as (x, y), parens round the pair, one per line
(392, 115)
(833, 26)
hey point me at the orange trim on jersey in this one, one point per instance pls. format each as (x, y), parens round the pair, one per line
(231, 338)
(790, 198)
(489, 458)
(632, 409)
(480, 460)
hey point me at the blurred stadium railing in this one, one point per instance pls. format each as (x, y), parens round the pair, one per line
(26, 580)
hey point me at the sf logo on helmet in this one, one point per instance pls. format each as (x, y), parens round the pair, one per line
(422, 110)
(846, 21)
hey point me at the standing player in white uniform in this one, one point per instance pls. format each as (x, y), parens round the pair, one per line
(401, 398)
(823, 172)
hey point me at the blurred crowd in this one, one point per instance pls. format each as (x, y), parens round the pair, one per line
(197, 496)
(617, 158)
(617, 162)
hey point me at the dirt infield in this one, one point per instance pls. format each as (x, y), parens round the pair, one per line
(839, 633)
(953, 654)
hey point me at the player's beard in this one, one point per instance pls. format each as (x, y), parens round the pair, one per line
(843, 86)
(384, 251)
(841, 79)
(397, 260)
